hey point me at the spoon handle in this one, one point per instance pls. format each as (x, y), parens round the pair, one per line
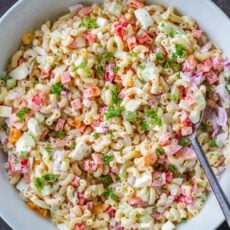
(219, 193)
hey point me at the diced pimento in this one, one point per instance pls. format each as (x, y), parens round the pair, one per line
(184, 199)
(131, 42)
(211, 77)
(111, 212)
(90, 37)
(144, 38)
(60, 125)
(120, 26)
(79, 227)
(76, 104)
(85, 11)
(91, 92)
(168, 177)
(197, 33)
(109, 72)
(65, 78)
(135, 4)
(37, 102)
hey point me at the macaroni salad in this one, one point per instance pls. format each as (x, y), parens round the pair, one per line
(95, 113)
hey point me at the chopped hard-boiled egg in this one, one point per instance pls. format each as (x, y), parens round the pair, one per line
(115, 9)
(34, 127)
(25, 143)
(101, 21)
(133, 105)
(81, 151)
(150, 72)
(5, 111)
(143, 17)
(168, 226)
(144, 180)
(21, 72)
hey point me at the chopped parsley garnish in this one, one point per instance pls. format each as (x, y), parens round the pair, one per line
(105, 56)
(99, 70)
(160, 151)
(110, 194)
(213, 143)
(35, 82)
(174, 97)
(116, 69)
(22, 113)
(83, 65)
(183, 220)
(152, 118)
(49, 150)
(144, 126)
(183, 141)
(60, 134)
(88, 23)
(160, 56)
(172, 64)
(206, 127)
(172, 168)
(39, 182)
(96, 135)
(57, 89)
(159, 167)
(179, 51)
(113, 112)
(154, 209)
(107, 158)
(115, 95)
(106, 180)
(73, 145)
(110, 132)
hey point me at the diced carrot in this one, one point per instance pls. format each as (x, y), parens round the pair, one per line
(27, 37)
(150, 159)
(43, 212)
(32, 205)
(14, 135)
(75, 123)
(99, 208)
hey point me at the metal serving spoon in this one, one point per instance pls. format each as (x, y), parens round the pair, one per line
(215, 185)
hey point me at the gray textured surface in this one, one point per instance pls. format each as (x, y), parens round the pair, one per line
(5, 4)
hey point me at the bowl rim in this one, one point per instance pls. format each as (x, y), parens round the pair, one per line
(20, 3)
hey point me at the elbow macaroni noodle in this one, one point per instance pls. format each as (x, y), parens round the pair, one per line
(101, 103)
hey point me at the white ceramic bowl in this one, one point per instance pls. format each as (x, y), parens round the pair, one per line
(29, 14)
